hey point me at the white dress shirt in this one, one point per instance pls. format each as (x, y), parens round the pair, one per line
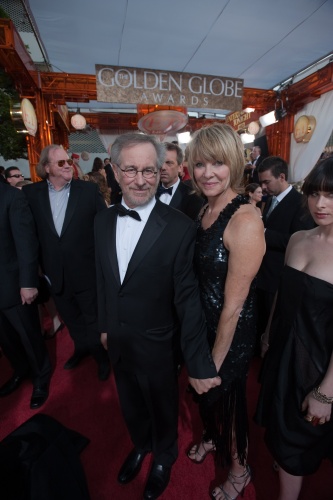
(128, 233)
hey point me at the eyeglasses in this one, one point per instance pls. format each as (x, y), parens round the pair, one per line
(131, 172)
(61, 163)
(17, 176)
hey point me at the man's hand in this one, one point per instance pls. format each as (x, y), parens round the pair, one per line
(104, 340)
(28, 295)
(204, 384)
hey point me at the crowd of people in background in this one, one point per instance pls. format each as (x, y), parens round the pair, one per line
(192, 258)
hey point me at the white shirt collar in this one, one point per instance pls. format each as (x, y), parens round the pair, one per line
(284, 193)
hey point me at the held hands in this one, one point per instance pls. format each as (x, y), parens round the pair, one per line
(104, 340)
(316, 412)
(203, 385)
(28, 295)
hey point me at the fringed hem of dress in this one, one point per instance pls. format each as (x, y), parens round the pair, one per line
(225, 418)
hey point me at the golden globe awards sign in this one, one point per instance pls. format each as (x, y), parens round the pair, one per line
(167, 88)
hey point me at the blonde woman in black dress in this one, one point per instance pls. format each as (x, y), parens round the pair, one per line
(229, 231)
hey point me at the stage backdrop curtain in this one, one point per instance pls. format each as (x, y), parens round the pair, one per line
(303, 156)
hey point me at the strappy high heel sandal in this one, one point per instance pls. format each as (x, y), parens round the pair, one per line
(239, 483)
(195, 451)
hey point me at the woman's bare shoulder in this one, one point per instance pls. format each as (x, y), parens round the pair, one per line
(247, 215)
(304, 237)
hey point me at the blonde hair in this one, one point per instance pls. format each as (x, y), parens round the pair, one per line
(218, 142)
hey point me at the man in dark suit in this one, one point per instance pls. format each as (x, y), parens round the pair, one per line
(147, 292)
(251, 171)
(172, 190)
(283, 215)
(64, 213)
(20, 331)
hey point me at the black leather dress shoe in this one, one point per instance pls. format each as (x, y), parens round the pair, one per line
(12, 384)
(75, 360)
(39, 395)
(131, 467)
(104, 370)
(158, 480)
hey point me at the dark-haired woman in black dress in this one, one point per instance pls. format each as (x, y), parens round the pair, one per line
(295, 403)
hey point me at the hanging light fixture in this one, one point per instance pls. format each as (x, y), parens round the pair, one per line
(268, 119)
(78, 121)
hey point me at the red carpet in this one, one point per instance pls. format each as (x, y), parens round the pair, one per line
(79, 401)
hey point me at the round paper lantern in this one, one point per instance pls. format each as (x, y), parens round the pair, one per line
(78, 121)
(85, 156)
(253, 128)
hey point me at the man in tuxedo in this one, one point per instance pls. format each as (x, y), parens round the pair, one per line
(147, 293)
(64, 212)
(253, 169)
(172, 190)
(283, 215)
(20, 331)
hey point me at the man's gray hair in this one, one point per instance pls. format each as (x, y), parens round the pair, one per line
(44, 160)
(134, 139)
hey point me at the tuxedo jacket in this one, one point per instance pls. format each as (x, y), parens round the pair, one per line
(18, 246)
(72, 253)
(158, 298)
(288, 217)
(254, 174)
(186, 201)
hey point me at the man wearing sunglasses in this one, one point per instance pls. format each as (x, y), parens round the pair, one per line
(13, 175)
(64, 212)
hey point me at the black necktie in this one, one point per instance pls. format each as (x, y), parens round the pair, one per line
(162, 190)
(122, 212)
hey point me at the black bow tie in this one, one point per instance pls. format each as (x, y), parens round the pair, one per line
(122, 212)
(162, 190)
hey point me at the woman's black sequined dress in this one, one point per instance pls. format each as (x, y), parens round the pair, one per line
(225, 406)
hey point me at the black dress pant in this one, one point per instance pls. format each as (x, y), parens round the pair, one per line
(23, 344)
(149, 403)
(78, 310)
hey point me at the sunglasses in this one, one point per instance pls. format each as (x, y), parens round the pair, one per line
(61, 163)
(17, 176)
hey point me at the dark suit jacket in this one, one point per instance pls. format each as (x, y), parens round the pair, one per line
(18, 246)
(159, 295)
(186, 201)
(254, 177)
(287, 218)
(72, 252)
